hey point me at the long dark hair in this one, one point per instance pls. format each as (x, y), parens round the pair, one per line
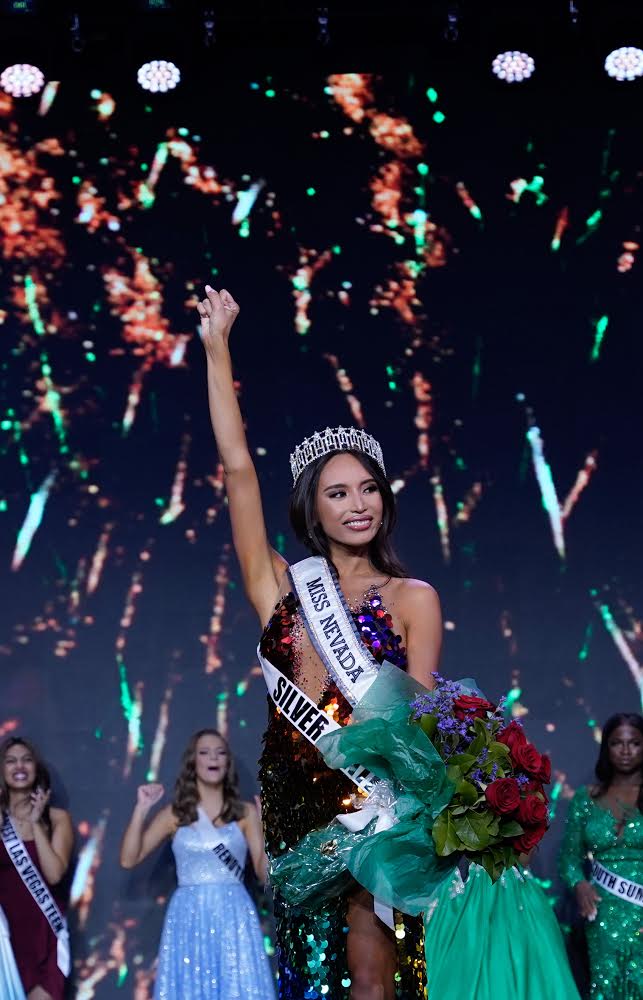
(303, 514)
(604, 769)
(186, 792)
(42, 779)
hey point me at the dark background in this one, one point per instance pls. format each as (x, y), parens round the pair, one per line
(110, 674)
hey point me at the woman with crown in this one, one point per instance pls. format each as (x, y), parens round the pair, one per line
(329, 622)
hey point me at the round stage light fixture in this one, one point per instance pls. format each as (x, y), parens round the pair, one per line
(158, 75)
(625, 63)
(513, 66)
(22, 80)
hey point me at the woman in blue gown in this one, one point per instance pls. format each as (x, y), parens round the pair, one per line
(212, 944)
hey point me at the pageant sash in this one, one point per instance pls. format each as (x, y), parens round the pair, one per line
(309, 720)
(622, 888)
(331, 628)
(221, 851)
(38, 890)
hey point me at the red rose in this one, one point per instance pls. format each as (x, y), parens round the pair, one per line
(512, 736)
(503, 795)
(535, 786)
(545, 770)
(532, 836)
(532, 811)
(468, 706)
(528, 758)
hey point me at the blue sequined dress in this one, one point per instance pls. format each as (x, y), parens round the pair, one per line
(212, 945)
(300, 793)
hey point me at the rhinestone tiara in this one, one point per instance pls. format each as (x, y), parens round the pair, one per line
(334, 439)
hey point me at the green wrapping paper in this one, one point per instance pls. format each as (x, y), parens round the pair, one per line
(398, 864)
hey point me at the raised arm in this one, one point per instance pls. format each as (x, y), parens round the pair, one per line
(261, 567)
(139, 840)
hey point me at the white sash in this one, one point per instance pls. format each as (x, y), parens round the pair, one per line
(221, 851)
(622, 888)
(309, 720)
(332, 630)
(351, 665)
(38, 890)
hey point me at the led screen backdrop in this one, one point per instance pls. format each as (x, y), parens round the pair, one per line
(455, 269)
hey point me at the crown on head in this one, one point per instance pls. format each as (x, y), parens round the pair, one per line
(334, 439)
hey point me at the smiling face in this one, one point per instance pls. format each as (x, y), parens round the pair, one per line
(19, 768)
(625, 747)
(211, 759)
(349, 503)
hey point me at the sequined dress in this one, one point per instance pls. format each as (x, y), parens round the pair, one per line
(614, 939)
(300, 793)
(212, 945)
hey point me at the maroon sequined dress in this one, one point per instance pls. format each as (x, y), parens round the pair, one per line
(32, 939)
(300, 793)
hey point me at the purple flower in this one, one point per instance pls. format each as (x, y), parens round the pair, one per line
(522, 779)
(477, 775)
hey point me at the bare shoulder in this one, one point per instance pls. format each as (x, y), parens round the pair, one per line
(417, 597)
(250, 811)
(59, 816)
(250, 819)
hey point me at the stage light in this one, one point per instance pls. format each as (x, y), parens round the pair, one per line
(158, 75)
(625, 63)
(513, 67)
(22, 80)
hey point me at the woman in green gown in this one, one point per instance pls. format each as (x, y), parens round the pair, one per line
(605, 824)
(495, 940)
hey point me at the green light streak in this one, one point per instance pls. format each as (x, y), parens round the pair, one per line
(131, 711)
(52, 395)
(600, 327)
(584, 652)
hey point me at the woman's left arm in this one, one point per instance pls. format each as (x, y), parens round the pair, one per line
(253, 832)
(54, 852)
(422, 617)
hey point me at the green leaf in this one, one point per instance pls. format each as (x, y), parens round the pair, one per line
(488, 863)
(429, 724)
(473, 830)
(454, 773)
(467, 792)
(511, 828)
(498, 753)
(459, 810)
(464, 760)
(445, 836)
(494, 826)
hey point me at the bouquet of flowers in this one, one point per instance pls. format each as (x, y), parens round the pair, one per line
(498, 810)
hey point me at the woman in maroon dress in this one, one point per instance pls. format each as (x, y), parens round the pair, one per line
(48, 837)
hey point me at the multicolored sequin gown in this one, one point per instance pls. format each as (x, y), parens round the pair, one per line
(300, 793)
(614, 938)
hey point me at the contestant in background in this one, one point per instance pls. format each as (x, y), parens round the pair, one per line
(212, 944)
(36, 848)
(343, 510)
(605, 824)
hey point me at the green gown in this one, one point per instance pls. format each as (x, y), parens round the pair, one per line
(495, 941)
(614, 939)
